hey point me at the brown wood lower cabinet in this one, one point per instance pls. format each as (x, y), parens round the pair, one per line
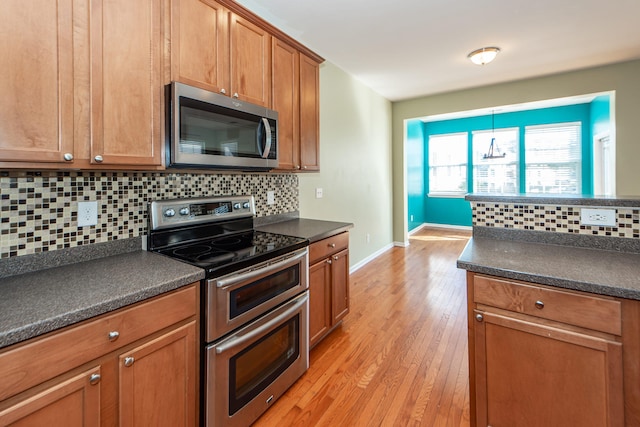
(136, 366)
(541, 356)
(328, 285)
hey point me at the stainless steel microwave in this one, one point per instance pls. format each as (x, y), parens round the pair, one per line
(210, 130)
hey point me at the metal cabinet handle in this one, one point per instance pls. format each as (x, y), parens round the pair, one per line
(128, 361)
(539, 305)
(223, 91)
(335, 257)
(332, 245)
(68, 157)
(113, 335)
(236, 96)
(479, 317)
(304, 167)
(297, 166)
(94, 379)
(329, 261)
(98, 158)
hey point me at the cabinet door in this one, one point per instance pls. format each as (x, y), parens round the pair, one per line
(200, 44)
(309, 114)
(339, 285)
(158, 381)
(319, 301)
(69, 403)
(36, 106)
(529, 375)
(126, 82)
(250, 62)
(286, 102)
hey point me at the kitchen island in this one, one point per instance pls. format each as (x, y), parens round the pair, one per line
(553, 313)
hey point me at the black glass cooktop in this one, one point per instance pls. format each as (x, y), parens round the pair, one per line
(232, 252)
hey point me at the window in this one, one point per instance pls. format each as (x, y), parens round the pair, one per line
(553, 157)
(448, 163)
(498, 175)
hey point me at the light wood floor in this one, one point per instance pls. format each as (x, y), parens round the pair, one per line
(400, 357)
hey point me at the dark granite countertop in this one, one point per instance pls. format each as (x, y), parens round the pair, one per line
(604, 272)
(556, 199)
(311, 229)
(42, 301)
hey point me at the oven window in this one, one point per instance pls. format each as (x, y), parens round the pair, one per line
(257, 366)
(247, 297)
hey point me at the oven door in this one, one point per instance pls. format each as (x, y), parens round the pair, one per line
(250, 369)
(237, 298)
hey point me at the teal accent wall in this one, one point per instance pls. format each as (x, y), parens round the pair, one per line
(457, 211)
(416, 161)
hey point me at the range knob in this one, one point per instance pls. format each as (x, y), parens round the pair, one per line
(236, 206)
(246, 205)
(184, 211)
(170, 212)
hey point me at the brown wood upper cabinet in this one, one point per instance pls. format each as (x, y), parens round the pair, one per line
(218, 50)
(295, 98)
(82, 84)
(36, 107)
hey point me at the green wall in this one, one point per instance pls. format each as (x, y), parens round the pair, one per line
(621, 78)
(355, 163)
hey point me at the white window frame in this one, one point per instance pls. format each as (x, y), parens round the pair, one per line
(511, 159)
(576, 162)
(462, 153)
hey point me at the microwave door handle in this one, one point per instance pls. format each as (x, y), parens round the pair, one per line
(268, 138)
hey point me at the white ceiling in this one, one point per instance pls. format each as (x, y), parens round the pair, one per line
(410, 48)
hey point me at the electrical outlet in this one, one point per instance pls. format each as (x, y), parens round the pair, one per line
(318, 193)
(87, 213)
(271, 197)
(598, 217)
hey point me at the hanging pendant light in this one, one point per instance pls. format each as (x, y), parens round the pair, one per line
(490, 154)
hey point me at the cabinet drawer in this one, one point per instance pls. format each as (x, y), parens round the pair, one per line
(25, 365)
(578, 309)
(325, 247)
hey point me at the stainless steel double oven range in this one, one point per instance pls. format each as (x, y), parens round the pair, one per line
(254, 302)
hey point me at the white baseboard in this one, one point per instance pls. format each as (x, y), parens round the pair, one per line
(434, 225)
(404, 244)
(370, 258)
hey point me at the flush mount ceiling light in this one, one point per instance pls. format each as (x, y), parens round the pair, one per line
(483, 55)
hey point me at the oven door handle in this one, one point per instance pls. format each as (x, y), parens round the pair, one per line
(241, 277)
(290, 308)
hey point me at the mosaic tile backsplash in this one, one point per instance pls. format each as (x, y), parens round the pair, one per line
(39, 210)
(553, 218)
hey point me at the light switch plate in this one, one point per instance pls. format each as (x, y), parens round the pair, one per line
(598, 217)
(271, 197)
(318, 193)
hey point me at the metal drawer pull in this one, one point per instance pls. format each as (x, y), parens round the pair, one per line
(94, 379)
(128, 361)
(335, 257)
(539, 305)
(479, 317)
(113, 335)
(332, 245)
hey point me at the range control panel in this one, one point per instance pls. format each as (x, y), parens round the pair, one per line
(180, 212)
